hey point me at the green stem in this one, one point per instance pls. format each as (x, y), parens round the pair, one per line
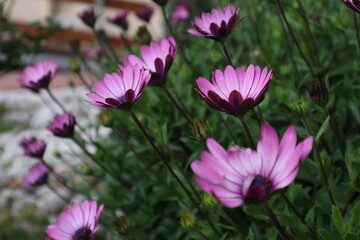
(356, 23)
(227, 126)
(57, 194)
(177, 106)
(283, 16)
(338, 137)
(201, 234)
(321, 164)
(84, 82)
(247, 132)
(231, 222)
(226, 52)
(267, 209)
(55, 99)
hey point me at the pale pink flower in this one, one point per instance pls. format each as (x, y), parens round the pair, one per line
(240, 176)
(180, 14)
(37, 175)
(38, 76)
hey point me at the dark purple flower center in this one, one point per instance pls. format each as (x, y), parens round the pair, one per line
(259, 190)
(82, 234)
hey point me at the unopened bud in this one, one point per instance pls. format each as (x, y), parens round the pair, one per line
(74, 45)
(319, 93)
(188, 221)
(209, 201)
(85, 169)
(200, 129)
(71, 83)
(75, 65)
(123, 226)
(161, 3)
(106, 118)
(300, 108)
(143, 35)
(88, 17)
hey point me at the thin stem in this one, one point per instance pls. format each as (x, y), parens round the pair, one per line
(187, 61)
(275, 221)
(201, 234)
(226, 52)
(348, 200)
(57, 194)
(297, 213)
(247, 132)
(126, 42)
(356, 29)
(55, 99)
(282, 13)
(338, 137)
(172, 99)
(231, 222)
(167, 165)
(321, 164)
(84, 82)
(227, 127)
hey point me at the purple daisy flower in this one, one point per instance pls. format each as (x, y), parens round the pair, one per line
(353, 4)
(76, 223)
(38, 76)
(158, 58)
(33, 147)
(217, 24)
(37, 175)
(235, 91)
(62, 125)
(145, 14)
(120, 90)
(241, 176)
(180, 14)
(88, 17)
(119, 19)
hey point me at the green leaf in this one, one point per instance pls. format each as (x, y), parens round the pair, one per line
(224, 237)
(350, 236)
(338, 219)
(325, 234)
(323, 128)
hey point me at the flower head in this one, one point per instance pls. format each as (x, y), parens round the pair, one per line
(79, 222)
(217, 24)
(120, 90)
(158, 58)
(38, 76)
(33, 147)
(240, 176)
(353, 4)
(88, 17)
(37, 175)
(120, 19)
(235, 91)
(62, 125)
(145, 14)
(93, 53)
(180, 14)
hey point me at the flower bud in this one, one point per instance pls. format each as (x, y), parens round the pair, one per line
(143, 35)
(75, 45)
(319, 93)
(300, 108)
(161, 3)
(75, 65)
(209, 201)
(106, 118)
(352, 161)
(123, 226)
(188, 221)
(88, 17)
(200, 129)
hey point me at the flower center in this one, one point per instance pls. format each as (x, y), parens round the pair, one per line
(259, 190)
(82, 234)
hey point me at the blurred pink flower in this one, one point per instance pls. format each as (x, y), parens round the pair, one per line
(180, 14)
(217, 24)
(38, 76)
(76, 223)
(236, 90)
(241, 176)
(353, 4)
(158, 58)
(62, 125)
(33, 147)
(96, 52)
(145, 14)
(119, 19)
(37, 175)
(120, 90)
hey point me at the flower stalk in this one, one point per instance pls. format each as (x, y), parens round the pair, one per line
(249, 137)
(267, 209)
